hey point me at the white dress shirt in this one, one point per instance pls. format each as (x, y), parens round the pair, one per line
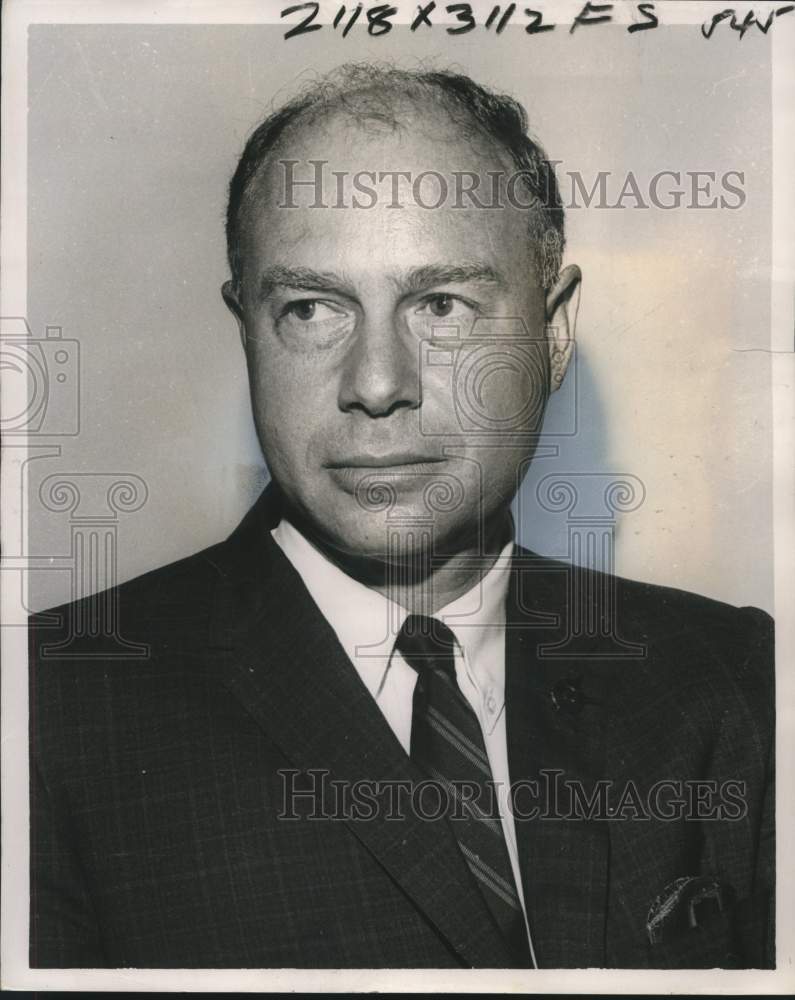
(367, 623)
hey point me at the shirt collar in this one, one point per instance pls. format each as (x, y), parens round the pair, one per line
(477, 619)
(366, 622)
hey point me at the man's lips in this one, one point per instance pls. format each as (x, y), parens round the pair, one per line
(404, 470)
(393, 460)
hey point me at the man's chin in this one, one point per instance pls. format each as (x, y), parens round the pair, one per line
(382, 541)
(377, 540)
(386, 529)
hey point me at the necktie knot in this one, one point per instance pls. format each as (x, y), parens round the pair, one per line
(427, 644)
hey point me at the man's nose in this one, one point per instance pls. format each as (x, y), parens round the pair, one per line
(381, 372)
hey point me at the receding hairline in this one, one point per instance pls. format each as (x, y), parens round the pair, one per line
(410, 117)
(395, 113)
(386, 98)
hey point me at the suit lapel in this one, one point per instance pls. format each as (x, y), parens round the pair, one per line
(283, 661)
(555, 723)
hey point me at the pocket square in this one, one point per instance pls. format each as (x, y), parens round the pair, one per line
(684, 904)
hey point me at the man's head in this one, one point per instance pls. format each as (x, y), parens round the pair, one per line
(395, 241)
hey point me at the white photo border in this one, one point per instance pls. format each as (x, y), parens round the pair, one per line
(16, 973)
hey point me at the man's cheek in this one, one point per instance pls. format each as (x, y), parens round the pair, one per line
(439, 413)
(281, 432)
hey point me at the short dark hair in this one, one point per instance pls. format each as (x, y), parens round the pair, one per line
(370, 92)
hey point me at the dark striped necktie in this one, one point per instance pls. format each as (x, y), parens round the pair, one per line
(447, 745)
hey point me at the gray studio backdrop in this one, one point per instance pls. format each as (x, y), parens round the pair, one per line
(133, 134)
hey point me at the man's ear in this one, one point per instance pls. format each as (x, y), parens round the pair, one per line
(232, 300)
(562, 303)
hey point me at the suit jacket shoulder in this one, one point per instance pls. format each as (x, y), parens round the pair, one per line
(663, 629)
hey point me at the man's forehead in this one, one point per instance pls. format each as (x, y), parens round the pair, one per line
(366, 180)
(379, 200)
(387, 244)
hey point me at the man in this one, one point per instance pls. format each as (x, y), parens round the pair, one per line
(363, 734)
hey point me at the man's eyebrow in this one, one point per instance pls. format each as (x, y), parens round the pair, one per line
(304, 278)
(416, 280)
(430, 275)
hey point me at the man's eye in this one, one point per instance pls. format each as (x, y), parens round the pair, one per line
(313, 324)
(311, 311)
(443, 305)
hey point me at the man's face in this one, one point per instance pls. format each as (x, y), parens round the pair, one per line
(385, 393)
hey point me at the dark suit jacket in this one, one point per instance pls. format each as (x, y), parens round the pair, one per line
(158, 779)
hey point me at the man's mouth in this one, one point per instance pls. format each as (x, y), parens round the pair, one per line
(389, 460)
(401, 470)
